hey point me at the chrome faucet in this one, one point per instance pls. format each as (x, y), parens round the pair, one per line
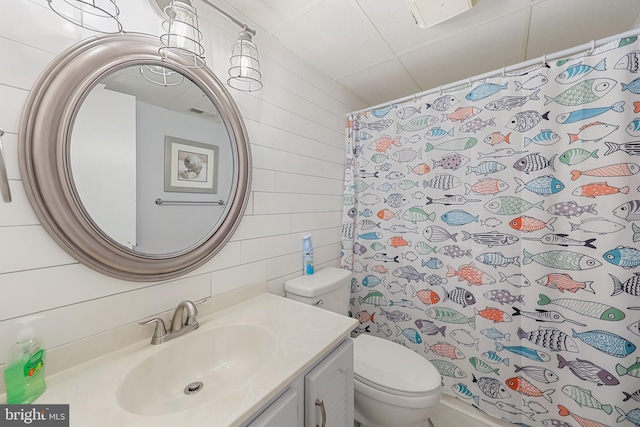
(184, 321)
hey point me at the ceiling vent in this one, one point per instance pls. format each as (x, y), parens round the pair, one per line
(428, 13)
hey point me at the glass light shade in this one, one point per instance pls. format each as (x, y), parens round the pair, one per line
(161, 75)
(96, 15)
(244, 66)
(182, 36)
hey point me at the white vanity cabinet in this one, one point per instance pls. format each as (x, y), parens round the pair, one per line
(326, 387)
(283, 412)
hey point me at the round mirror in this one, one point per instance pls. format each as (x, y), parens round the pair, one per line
(139, 168)
(152, 162)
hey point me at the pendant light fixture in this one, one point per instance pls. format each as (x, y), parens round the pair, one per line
(161, 75)
(181, 41)
(244, 65)
(182, 35)
(96, 15)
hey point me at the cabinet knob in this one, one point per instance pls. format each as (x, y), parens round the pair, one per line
(320, 403)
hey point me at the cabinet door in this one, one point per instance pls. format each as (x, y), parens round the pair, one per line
(281, 413)
(330, 385)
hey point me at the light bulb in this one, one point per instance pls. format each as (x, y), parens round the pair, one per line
(245, 66)
(182, 25)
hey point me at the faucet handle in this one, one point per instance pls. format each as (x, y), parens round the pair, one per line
(160, 330)
(191, 314)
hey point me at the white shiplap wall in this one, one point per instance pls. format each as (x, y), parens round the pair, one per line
(296, 127)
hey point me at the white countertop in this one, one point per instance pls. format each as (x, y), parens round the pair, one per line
(303, 333)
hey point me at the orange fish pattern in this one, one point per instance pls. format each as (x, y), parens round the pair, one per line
(364, 316)
(564, 282)
(496, 138)
(470, 273)
(523, 386)
(486, 186)
(420, 169)
(398, 241)
(599, 189)
(528, 224)
(461, 114)
(536, 228)
(384, 143)
(445, 349)
(385, 214)
(427, 296)
(583, 422)
(619, 169)
(494, 314)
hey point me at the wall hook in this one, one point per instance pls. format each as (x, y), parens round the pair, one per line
(4, 181)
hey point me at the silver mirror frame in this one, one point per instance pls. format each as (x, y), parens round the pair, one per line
(43, 150)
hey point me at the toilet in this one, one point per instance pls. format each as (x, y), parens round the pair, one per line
(393, 385)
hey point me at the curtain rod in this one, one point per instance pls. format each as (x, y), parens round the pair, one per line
(242, 25)
(542, 61)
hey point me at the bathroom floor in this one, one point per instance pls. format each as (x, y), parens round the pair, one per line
(428, 423)
(446, 415)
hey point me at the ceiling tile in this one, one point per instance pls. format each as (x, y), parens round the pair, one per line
(560, 25)
(374, 89)
(268, 14)
(397, 26)
(477, 51)
(336, 37)
(369, 46)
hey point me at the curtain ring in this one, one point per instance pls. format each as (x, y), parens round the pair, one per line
(415, 101)
(469, 81)
(593, 46)
(440, 90)
(544, 60)
(503, 72)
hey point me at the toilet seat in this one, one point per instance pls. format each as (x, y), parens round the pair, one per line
(391, 368)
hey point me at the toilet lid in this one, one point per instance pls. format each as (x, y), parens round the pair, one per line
(384, 364)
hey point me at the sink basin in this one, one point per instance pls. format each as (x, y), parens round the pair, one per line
(195, 368)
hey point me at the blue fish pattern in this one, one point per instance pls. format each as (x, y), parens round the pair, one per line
(485, 90)
(425, 158)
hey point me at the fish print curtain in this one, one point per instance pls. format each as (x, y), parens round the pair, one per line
(495, 228)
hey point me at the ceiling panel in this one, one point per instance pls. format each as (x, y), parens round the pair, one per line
(560, 25)
(397, 26)
(369, 46)
(269, 14)
(338, 32)
(374, 90)
(470, 53)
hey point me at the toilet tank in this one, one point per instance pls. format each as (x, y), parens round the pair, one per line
(328, 288)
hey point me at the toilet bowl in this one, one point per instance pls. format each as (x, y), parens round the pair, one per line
(393, 385)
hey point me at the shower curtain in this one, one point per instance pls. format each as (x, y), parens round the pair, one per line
(495, 228)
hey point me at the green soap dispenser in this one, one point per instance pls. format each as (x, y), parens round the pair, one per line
(24, 372)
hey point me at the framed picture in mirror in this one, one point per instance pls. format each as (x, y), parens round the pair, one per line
(190, 166)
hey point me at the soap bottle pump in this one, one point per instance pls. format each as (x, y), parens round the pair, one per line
(307, 255)
(24, 373)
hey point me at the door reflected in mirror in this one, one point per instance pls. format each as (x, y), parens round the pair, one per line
(152, 164)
